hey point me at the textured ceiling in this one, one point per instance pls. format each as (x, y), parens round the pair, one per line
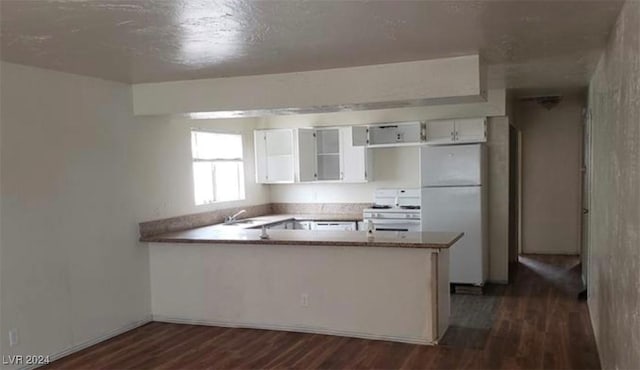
(528, 44)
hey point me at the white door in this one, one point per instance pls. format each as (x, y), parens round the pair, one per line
(440, 131)
(260, 148)
(359, 135)
(458, 209)
(354, 158)
(307, 165)
(470, 130)
(451, 165)
(280, 156)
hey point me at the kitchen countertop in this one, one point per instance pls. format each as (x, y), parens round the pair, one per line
(216, 234)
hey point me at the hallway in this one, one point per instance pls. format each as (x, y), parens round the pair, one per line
(540, 323)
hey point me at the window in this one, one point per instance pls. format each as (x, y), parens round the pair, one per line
(218, 171)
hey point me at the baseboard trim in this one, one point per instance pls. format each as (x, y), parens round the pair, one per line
(299, 329)
(88, 343)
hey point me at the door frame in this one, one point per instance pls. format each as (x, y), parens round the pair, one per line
(515, 197)
(585, 194)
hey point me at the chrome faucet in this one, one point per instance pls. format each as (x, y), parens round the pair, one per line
(231, 219)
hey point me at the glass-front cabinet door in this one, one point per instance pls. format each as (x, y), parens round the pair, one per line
(328, 152)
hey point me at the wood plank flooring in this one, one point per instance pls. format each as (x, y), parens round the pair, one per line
(539, 323)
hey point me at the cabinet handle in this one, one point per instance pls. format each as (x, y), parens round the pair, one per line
(341, 175)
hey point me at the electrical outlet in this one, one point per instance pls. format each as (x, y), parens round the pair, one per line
(13, 337)
(304, 300)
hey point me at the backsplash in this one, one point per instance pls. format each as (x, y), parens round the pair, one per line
(184, 222)
(179, 223)
(319, 208)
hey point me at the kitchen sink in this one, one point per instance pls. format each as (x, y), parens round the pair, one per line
(247, 223)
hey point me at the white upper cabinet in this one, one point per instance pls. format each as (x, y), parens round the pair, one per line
(391, 134)
(356, 160)
(275, 159)
(260, 153)
(440, 131)
(328, 146)
(395, 134)
(471, 130)
(307, 164)
(456, 131)
(308, 155)
(359, 135)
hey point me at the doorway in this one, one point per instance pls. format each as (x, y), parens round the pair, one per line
(586, 196)
(551, 148)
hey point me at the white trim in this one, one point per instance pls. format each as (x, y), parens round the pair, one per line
(520, 201)
(88, 343)
(299, 329)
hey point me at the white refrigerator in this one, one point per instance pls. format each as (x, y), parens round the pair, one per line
(453, 198)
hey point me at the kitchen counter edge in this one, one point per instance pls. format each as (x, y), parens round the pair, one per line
(384, 239)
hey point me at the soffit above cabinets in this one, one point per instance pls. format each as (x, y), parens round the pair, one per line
(526, 43)
(427, 82)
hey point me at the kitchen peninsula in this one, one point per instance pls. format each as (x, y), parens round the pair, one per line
(391, 286)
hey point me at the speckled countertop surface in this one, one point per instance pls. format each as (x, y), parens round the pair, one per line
(236, 235)
(263, 214)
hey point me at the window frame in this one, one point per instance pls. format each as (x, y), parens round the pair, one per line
(241, 173)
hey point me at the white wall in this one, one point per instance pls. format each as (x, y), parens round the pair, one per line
(614, 228)
(551, 176)
(162, 160)
(78, 173)
(71, 270)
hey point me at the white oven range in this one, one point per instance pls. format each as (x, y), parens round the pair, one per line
(394, 210)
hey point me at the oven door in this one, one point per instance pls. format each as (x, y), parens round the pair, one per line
(396, 225)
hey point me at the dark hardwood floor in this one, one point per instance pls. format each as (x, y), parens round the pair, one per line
(538, 323)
